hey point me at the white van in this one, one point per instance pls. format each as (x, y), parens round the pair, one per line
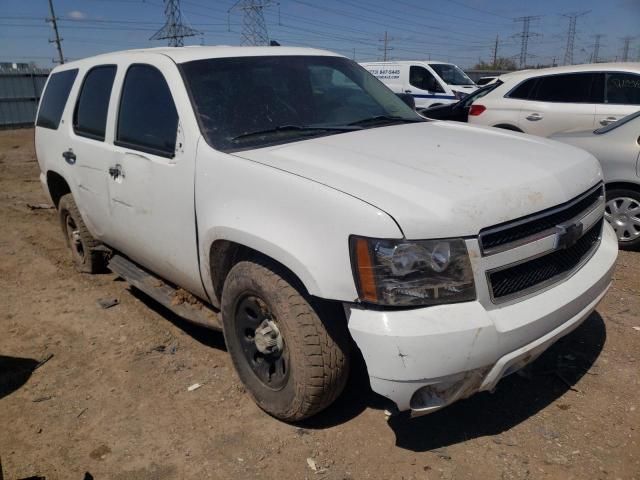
(288, 198)
(430, 83)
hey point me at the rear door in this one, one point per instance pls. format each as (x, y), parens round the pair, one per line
(560, 102)
(87, 152)
(622, 97)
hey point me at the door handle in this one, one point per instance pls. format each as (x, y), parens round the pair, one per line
(115, 172)
(407, 91)
(606, 121)
(69, 157)
(534, 117)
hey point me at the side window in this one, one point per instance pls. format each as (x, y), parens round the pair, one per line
(523, 91)
(90, 116)
(623, 88)
(568, 88)
(147, 119)
(423, 79)
(55, 98)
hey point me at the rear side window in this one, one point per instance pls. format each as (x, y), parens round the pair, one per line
(569, 88)
(523, 91)
(55, 98)
(148, 119)
(623, 88)
(90, 116)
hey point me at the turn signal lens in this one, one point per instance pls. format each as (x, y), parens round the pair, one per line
(364, 266)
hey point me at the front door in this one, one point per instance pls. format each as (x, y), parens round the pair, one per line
(151, 174)
(425, 87)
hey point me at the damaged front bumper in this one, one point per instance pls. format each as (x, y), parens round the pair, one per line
(425, 359)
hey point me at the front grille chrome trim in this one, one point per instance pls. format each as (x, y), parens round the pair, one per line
(599, 203)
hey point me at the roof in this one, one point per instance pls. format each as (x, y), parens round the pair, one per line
(407, 62)
(187, 54)
(587, 67)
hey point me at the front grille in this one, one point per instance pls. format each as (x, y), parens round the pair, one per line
(535, 274)
(495, 237)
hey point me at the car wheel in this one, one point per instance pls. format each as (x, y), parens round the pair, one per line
(86, 258)
(291, 362)
(622, 211)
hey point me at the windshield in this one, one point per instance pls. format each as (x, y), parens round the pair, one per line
(251, 102)
(619, 123)
(451, 74)
(481, 92)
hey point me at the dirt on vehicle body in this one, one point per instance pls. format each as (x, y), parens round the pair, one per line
(114, 399)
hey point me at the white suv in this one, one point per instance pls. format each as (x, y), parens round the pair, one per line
(289, 198)
(550, 100)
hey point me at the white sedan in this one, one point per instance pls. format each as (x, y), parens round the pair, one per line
(617, 146)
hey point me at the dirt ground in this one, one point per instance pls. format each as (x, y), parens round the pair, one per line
(113, 400)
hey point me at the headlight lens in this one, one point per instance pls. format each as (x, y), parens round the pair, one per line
(412, 273)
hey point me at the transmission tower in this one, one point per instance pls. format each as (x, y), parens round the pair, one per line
(596, 48)
(385, 49)
(571, 35)
(625, 48)
(254, 27)
(524, 36)
(174, 29)
(58, 41)
(495, 52)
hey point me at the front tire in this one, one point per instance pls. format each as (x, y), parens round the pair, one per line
(622, 211)
(86, 258)
(292, 363)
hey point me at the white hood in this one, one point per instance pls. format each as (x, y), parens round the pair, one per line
(440, 179)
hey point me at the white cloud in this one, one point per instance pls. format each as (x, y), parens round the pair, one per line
(77, 15)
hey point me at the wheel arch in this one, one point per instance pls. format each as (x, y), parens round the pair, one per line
(622, 184)
(57, 186)
(508, 126)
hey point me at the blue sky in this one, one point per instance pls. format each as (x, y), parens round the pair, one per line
(460, 31)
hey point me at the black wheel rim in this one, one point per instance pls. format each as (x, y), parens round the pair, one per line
(270, 368)
(73, 234)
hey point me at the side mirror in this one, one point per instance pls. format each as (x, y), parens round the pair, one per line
(432, 85)
(408, 99)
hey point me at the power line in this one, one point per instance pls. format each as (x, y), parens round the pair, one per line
(571, 35)
(385, 46)
(254, 27)
(524, 36)
(174, 29)
(57, 40)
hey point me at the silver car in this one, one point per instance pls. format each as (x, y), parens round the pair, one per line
(617, 146)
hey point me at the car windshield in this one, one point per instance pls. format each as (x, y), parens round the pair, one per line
(451, 74)
(481, 92)
(619, 123)
(251, 102)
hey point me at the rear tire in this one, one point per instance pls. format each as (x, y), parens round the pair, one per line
(306, 363)
(82, 245)
(622, 211)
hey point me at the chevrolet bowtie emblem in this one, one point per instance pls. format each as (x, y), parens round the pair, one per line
(568, 234)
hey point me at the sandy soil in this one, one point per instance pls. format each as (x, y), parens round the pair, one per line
(113, 399)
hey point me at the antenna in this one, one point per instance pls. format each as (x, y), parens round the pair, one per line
(525, 35)
(58, 41)
(254, 27)
(571, 35)
(174, 29)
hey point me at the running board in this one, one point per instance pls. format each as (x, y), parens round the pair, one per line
(177, 300)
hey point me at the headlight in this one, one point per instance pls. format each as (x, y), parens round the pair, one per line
(412, 273)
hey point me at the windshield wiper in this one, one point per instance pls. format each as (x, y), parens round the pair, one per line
(296, 128)
(385, 119)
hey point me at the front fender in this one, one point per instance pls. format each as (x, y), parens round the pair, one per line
(302, 224)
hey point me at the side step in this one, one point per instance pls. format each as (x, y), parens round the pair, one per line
(177, 300)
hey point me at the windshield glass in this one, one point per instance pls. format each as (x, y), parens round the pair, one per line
(481, 92)
(250, 102)
(619, 123)
(451, 74)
